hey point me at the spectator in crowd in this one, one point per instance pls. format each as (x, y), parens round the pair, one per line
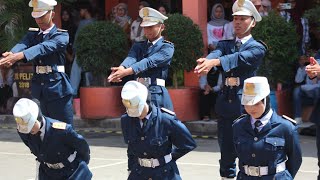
(228, 31)
(163, 9)
(305, 93)
(210, 85)
(215, 26)
(6, 81)
(137, 33)
(265, 8)
(305, 40)
(313, 71)
(86, 15)
(122, 18)
(68, 24)
(286, 11)
(111, 16)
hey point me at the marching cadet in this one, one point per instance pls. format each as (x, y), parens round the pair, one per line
(267, 144)
(45, 47)
(313, 71)
(149, 61)
(61, 152)
(238, 59)
(155, 138)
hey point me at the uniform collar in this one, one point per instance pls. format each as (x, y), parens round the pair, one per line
(244, 39)
(43, 128)
(148, 116)
(155, 41)
(264, 120)
(145, 119)
(46, 31)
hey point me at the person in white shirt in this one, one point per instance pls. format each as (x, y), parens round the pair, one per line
(137, 33)
(215, 26)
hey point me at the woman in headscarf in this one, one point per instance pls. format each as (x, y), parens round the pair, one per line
(215, 26)
(122, 18)
(267, 145)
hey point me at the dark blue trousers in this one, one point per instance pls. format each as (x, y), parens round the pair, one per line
(60, 109)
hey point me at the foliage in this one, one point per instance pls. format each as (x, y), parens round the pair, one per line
(313, 16)
(15, 19)
(188, 43)
(282, 40)
(100, 46)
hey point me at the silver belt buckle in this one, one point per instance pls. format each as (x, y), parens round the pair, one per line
(145, 81)
(253, 171)
(43, 69)
(54, 166)
(232, 81)
(146, 162)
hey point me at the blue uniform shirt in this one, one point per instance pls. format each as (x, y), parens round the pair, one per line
(57, 145)
(161, 135)
(152, 62)
(53, 90)
(243, 64)
(49, 51)
(276, 142)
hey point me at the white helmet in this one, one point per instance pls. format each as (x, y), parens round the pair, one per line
(134, 97)
(245, 8)
(254, 90)
(151, 17)
(26, 113)
(41, 7)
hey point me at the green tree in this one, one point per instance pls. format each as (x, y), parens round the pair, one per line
(15, 19)
(282, 41)
(188, 43)
(100, 46)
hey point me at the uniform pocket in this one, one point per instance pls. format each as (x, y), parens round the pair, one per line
(274, 143)
(155, 90)
(159, 141)
(240, 145)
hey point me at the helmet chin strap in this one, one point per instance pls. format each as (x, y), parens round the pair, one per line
(50, 17)
(249, 26)
(159, 29)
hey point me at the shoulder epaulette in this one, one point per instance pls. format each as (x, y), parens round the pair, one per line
(62, 30)
(168, 111)
(290, 119)
(166, 41)
(263, 43)
(33, 29)
(240, 117)
(59, 125)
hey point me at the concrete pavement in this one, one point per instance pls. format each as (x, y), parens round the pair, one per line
(204, 129)
(109, 161)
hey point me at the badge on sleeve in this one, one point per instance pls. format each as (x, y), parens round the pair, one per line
(59, 125)
(290, 119)
(33, 29)
(168, 111)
